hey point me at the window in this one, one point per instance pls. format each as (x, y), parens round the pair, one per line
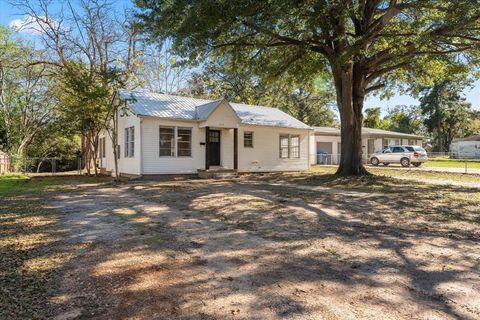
(214, 136)
(295, 146)
(129, 142)
(104, 148)
(248, 139)
(284, 146)
(411, 141)
(388, 142)
(184, 142)
(398, 150)
(167, 145)
(289, 146)
(101, 148)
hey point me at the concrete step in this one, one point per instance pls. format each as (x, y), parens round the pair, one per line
(217, 173)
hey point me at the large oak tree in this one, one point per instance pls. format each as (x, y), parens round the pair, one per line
(366, 45)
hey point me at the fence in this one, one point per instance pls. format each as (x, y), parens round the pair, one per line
(438, 161)
(41, 166)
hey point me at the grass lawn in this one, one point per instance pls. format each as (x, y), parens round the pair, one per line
(33, 254)
(452, 163)
(405, 173)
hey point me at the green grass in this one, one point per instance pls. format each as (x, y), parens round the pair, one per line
(452, 163)
(32, 248)
(406, 173)
(18, 184)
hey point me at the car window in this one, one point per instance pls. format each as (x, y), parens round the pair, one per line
(397, 149)
(387, 150)
(409, 148)
(419, 149)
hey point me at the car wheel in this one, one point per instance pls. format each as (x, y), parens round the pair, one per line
(374, 161)
(405, 162)
(386, 164)
(417, 164)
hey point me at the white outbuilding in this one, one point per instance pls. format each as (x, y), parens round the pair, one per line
(466, 148)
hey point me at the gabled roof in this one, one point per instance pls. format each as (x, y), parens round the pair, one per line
(366, 132)
(469, 138)
(177, 107)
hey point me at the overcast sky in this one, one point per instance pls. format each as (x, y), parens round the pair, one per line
(10, 15)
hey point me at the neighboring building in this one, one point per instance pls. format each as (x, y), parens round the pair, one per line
(466, 148)
(327, 141)
(164, 134)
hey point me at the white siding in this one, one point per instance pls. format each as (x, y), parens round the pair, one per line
(466, 149)
(153, 163)
(265, 154)
(226, 148)
(129, 165)
(222, 117)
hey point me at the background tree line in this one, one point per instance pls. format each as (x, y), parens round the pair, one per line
(57, 95)
(442, 115)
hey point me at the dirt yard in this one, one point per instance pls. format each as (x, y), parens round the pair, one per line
(298, 246)
(277, 247)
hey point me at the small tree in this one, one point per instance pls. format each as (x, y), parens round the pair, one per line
(98, 44)
(26, 101)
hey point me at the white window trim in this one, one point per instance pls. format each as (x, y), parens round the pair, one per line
(289, 148)
(129, 140)
(175, 139)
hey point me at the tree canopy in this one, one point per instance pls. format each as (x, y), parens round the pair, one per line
(446, 112)
(366, 45)
(309, 101)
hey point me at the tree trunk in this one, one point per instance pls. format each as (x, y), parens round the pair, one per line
(350, 90)
(439, 129)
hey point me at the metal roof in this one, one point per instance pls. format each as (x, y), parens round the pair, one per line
(177, 107)
(366, 132)
(469, 138)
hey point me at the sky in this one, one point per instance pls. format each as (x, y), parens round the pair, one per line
(9, 14)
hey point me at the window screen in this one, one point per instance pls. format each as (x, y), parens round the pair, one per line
(167, 145)
(184, 142)
(295, 146)
(289, 146)
(248, 139)
(283, 146)
(129, 142)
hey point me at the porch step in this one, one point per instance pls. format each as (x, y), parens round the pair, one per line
(217, 173)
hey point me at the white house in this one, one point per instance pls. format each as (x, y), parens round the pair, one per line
(466, 148)
(327, 141)
(165, 134)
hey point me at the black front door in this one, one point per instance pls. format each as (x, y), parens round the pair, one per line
(214, 147)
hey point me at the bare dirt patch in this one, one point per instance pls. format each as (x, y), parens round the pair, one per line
(249, 250)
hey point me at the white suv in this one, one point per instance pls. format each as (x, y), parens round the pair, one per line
(405, 155)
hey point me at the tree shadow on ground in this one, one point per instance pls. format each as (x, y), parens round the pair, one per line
(223, 249)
